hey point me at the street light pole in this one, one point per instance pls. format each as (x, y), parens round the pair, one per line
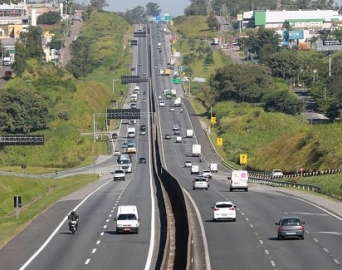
(315, 71)
(113, 85)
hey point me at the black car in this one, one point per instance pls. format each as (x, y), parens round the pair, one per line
(142, 127)
(115, 136)
(142, 160)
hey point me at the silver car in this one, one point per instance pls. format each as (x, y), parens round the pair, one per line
(290, 227)
(200, 183)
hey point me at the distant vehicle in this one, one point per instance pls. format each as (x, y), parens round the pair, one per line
(200, 183)
(175, 127)
(159, 97)
(224, 211)
(196, 150)
(290, 227)
(277, 173)
(215, 41)
(119, 175)
(178, 139)
(162, 103)
(213, 167)
(160, 51)
(167, 136)
(177, 102)
(124, 145)
(194, 169)
(206, 173)
(117, 153)
(114, 136)
(140, 64)
(199, 79)
(133, 106)
(143, 129)
(144, 73)
(144, 100)
(8, 74)
(188, 163)
(131, 148)
(172, 109)
(131, 132)
(142, 160)
(189, 133)
(239, 180)
(7, 61)
(159, 44)
(155, 67)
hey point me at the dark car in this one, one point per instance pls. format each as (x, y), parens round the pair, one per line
(167, 136)
(142, 127)
(290, 227)
(142, 160)
(115, 136)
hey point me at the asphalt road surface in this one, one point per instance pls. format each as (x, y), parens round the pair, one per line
(47, 243)
(251, 242)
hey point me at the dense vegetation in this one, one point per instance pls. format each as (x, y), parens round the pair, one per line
(256, 111)
(53, 102)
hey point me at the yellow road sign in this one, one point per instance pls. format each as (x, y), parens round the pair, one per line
(213, 120)
(243, 159)
(219, 141)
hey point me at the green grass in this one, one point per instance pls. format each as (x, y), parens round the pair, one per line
(37, 196)
(194, 27)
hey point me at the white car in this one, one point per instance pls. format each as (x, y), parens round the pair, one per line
(162, 103)
(277, 173)
(117, 153)
(188, 163)
(206, 173)
(224, 211)
(200, 183)
(172, 109)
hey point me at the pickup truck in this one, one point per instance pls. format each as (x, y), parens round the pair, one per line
(119, 175)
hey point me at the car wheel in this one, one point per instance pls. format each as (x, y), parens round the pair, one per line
(302, 237)
(231, 189)
(206, 188)
(193, 188)
(114, 179)
(124, 179)
(214, 220)
(137, 231)
(234, 219)
(246, 189)
(280, 237)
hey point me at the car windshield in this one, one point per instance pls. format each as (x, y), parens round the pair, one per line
(119, 171)
(127, 217)
(223, 205)
(290, 222)
(200, 180)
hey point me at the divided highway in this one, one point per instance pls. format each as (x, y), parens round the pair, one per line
(250, 242)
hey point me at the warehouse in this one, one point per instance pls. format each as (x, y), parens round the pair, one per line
(303, 19)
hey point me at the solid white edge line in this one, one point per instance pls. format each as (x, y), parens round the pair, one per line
(204, 237)
(152, 238)
(47, 241)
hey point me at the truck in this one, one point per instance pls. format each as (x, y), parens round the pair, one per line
(213, 167)
(215, 41)
(131, 132)
(167, 72)
(238, 180)
(196, 150)
(189, 133)
(177, 102)
(161, 72)
(159, 45)
(194, 169)
(174, 92)
(199, 79)
(168, 95)
(136, 90)
(8, 74)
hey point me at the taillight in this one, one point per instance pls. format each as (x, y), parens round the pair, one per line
(301, 228)
(216, 209)
(232, 208)
(281, 228)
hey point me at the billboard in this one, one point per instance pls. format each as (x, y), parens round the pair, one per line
(296, 34)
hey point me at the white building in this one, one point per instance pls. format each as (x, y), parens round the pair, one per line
(300, 19)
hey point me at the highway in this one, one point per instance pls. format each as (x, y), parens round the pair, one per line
(47, 243)
(251, 242)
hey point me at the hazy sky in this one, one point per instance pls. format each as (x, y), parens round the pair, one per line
(172, 7)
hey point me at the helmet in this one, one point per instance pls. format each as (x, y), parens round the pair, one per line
(73, 212)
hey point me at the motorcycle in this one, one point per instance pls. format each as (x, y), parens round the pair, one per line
(200, 159)
(73, 225)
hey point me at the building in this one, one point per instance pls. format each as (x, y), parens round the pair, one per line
(295, 19)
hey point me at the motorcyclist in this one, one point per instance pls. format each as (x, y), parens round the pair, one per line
(200, 158)
(181, 110)
(73, 216)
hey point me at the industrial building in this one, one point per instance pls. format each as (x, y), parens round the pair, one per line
(295, 19)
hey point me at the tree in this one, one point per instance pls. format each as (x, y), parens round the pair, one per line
(136, 15)
(81, 62)
(241, 83)
(20, 58)
(209, 59)
(32, 40)
(262, 38)
(285, 64)
(152, 9)
(197, 7)
(23, 111)
(266, 51)
(212, 21)
(49, 18)
(98, 4)
(282, 101)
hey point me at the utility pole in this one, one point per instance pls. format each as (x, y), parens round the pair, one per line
(329, 64)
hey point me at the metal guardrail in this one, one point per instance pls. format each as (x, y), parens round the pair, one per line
(26, 175)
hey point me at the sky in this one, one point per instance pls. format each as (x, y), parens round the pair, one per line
(173, 7)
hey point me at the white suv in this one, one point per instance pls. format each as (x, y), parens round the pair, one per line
(206, 173)
(224, 210)
(277, 173)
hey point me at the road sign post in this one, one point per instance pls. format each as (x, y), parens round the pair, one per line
(17, 204)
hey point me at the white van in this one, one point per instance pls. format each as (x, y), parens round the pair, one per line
(238, 180)
(127, 219)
